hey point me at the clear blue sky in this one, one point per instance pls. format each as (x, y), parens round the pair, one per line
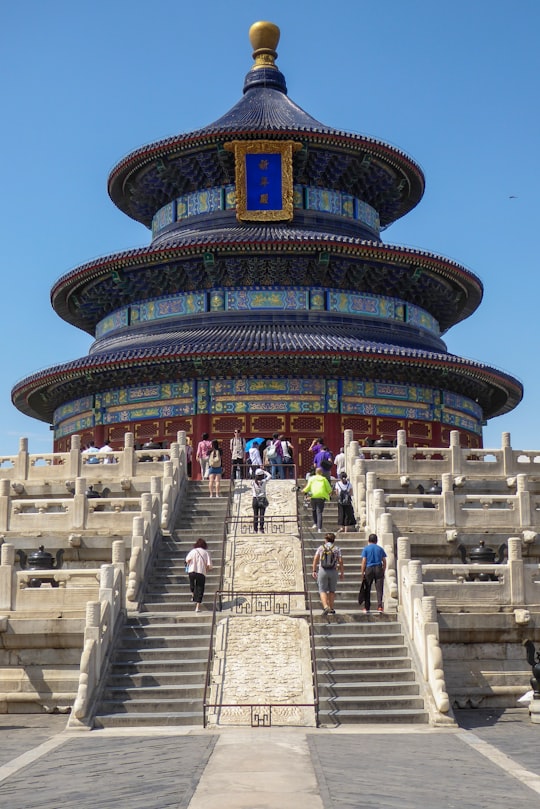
(454, 85)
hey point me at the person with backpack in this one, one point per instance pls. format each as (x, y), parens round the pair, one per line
(325, 459)
(215, 469)
(260, 500)
(203, 449)
(274, 453)
(344, 492)
(319, 488)
(327, 568)
(373, 570)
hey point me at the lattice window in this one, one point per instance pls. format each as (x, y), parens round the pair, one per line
(419, 429)
(146, 430)
(264, 425)
(227, 424)
(116, 435)
(360, 425)
(389, 427)
(307, 423)
(172, 427)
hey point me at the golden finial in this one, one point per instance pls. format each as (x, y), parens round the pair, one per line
(264, 37)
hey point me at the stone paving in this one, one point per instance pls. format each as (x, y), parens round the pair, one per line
(490, 760)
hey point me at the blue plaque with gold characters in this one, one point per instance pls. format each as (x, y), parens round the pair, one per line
(264, 179)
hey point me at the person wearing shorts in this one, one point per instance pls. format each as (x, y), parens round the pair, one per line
(327, 569)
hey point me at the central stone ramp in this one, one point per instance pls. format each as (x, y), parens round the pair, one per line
(262, 671)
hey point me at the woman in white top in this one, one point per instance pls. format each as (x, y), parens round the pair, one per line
(260, 500)
(198, 562)
(255, 459)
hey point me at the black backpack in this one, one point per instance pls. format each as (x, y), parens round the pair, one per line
(328, 559)
(344, 497)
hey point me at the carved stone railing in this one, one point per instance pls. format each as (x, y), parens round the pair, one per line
(65, 466)
(103, 619)
(433, 462)
(146, 534)
(410, 512)
(419, 616)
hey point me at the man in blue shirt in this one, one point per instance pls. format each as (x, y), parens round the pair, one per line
(373, 568)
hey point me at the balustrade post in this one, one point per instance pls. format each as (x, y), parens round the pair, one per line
(378, 508)
(516, 571)
(8, 577)
(386, 540)
(352, 451)
(348, 436)
(524, 500)
(456, 453)
(448, 500)
(118, 557)
(79, 512)
(75, 457)
(416, 592)
(402, 453)
(128, 461)
(508, 455)
(403, 556)
(430, 627)
(5, 504)
(22, 461)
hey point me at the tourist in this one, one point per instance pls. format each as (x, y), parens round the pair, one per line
(238, 451)
(344, 492)
(255, 460)
(320, 490)
(327, 566)
(106, 448)
(90, 453)
(215, 468)
(315, 447)
(203, 450)
(325, 460)
(274, 453)
(198, 563)
(373, 569)
(260, 499)
(339, 461)
(189, 456)
(288, 450)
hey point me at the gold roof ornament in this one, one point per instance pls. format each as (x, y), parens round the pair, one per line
(264, 38)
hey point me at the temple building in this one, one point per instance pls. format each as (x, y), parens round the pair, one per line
(266, 298)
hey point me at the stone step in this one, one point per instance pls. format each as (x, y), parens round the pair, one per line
(360, 650)
(373, 702)
(183, 641)
(190, 664)
(149, 719)
(365, 663)
(366, 689)
(145, 680)
(152, 694)
(155, 706)
(368, 675)
(373, 639)
(336, 716)
(163, 628)
(138, 655)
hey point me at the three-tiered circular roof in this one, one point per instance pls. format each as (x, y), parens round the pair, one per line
(216, 346)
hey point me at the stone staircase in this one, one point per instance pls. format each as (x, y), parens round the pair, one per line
(364, 671)
(158, 671)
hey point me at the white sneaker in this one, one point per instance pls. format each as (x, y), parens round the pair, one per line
(313, 527)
